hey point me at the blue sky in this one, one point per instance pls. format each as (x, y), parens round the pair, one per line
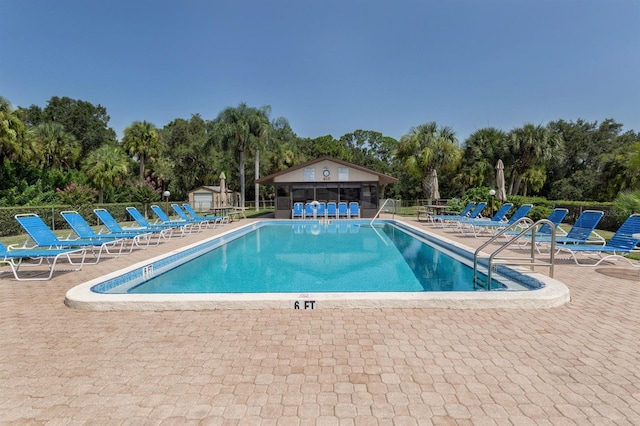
(330, 66)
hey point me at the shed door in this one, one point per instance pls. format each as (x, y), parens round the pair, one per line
(203, 201)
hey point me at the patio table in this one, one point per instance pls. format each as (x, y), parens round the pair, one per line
(430, 209)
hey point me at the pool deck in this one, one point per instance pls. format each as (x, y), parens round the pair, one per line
(575, 364)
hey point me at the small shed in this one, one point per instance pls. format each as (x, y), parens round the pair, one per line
(327, 179)
(207, 197)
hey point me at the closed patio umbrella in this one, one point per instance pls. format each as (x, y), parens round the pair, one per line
(501, 193)
(223, 189)
(434, 192)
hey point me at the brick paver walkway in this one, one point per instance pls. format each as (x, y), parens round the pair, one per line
(574, 365)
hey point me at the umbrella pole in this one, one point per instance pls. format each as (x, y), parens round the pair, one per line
(492, 194)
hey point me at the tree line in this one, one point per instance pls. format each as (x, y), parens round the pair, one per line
(67, 144)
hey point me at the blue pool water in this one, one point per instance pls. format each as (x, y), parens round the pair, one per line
(306, 256)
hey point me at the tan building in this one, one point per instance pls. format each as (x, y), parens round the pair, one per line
(326, 179)
(206, 198)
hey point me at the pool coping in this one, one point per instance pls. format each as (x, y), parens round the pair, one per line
(553, 294)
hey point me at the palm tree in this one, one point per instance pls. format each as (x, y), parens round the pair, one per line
(58, 148)
(12, 131)
(162, 170)
(483, 148)
(632, 169)
(531, 146)
(627, 202)
(428, 147)
(141, 140)
(282, 149)
(281, 156)
(105, 167)
(233, 130)
(17, 142)
(240, 129)
(260, 128)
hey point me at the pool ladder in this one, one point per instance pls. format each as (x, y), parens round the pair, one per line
(491, 263)
(393, 212)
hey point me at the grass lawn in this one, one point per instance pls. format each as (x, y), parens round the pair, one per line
(251, 213)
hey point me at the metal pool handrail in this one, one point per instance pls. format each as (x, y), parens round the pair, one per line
(381, 208)
(532, 229)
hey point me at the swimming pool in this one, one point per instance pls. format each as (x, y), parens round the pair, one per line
(276, 263)
(342, 256)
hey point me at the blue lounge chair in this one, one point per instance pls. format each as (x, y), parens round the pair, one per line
(321, 211)
(298, 211)
(582, 232)
(464, 213)
(555, 217)
(343, 210)
(332, 210)
(43, 237)
(113, 226)
(84, 231)
(200, 221)
(545, 231)
(17, 258)
(492, 227)
(187, 207)
(309, 211)
(473, 214)
(624, 241)
(144, 223)
(499, 216)
(163, 219)
(354, 210)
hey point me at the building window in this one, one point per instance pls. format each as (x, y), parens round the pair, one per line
(327, 192)
(303, 193)
(309, 174)
(343, 174)
(350, 192)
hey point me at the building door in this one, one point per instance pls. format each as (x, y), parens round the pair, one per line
(283, 198)
(202, 201)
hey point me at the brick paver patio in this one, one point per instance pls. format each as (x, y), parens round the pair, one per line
(573, 365)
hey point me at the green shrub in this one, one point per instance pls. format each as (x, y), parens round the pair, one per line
(539, 212)
(456, 205)
(627, 203)
(476, 195)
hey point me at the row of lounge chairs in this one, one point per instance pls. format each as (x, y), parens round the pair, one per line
(330, 210)
(581, 238)
(44, 247)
